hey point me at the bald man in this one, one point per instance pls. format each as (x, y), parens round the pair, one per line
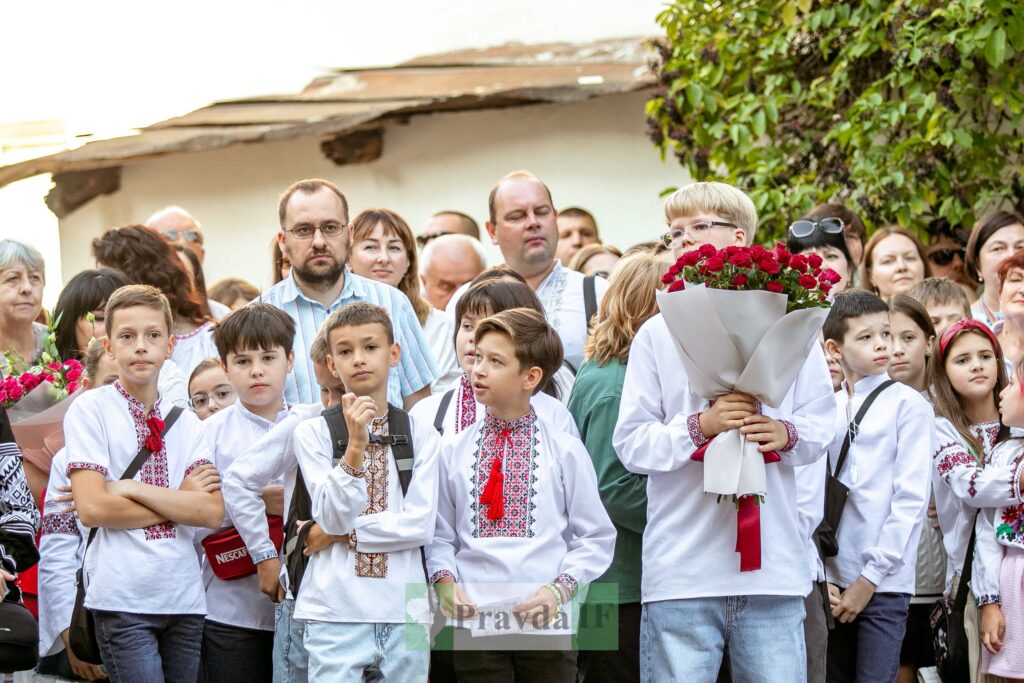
(447, 263)
(179, 228)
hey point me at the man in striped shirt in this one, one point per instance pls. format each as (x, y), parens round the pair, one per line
(315, 237)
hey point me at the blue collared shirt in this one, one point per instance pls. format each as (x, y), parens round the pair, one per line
(415, 370)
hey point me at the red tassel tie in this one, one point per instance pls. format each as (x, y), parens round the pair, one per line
(154, 442)
(493, 495)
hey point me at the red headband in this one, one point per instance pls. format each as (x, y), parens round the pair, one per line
(966, 324)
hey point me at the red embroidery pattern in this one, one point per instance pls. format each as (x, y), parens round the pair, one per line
(72, 466)
(951, 455)
(59, 523)
(197, 463)
(519, 469)
(375, 565)
(467, 405)
(154, 470)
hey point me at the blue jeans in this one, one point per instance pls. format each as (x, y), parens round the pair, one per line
(291, 661)
(684, 640)
(868, 648)
(149, 648)
(363, 652)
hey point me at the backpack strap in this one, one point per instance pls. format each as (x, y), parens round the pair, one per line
(590, 299)
(851, 431)
(442, 410)
(399, 430)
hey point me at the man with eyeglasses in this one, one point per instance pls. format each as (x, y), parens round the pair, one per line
(315, 237)
(179, 228)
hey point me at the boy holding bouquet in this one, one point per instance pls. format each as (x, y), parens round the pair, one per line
(696, 597)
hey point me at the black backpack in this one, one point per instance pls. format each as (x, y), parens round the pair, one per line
(301, 504)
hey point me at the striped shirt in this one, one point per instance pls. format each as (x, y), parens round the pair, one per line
(416, 368)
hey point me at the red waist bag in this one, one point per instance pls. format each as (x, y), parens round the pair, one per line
(227, 554)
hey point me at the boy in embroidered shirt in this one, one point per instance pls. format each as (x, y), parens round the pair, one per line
(255, 347)
(143, 579)
(697, 603)
(887, 470)
(519, 513)
(353, 595)
(269, 459)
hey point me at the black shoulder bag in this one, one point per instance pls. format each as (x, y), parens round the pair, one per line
(301, 506)
(589, 311)
(442, 408)
(949, 637)
(82, 632)
(836, 492)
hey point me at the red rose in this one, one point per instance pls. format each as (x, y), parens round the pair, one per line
(797, 262)
(716, 263)
(55, 365)
(73, 373)
(832, 277)
(677, 286)
(757, 251)
(15, 392)
(825, 287)
(690, 258)
(741, 259)
(740, 280)
(814, 260)
(769, 264)
(808, 282)
(72, 387)
(707, 250)
(29, 381)
(666, 278)
(774, 287)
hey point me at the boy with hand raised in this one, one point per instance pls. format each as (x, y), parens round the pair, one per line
(255, 348)
(143, 579)
(353, 594)
(519, 515)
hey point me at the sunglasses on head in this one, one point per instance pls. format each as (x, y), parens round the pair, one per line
(945, 256)
(423, 240)
(806, 228)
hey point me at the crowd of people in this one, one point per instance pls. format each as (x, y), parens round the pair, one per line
(254, 483)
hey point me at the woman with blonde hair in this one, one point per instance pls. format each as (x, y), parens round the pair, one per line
(594, 404)
(384, 249)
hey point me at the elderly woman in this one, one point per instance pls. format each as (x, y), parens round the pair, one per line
(993, 240)
(21, 298)
(1011, 303)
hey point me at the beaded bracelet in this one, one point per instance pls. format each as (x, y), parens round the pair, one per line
(557, 593)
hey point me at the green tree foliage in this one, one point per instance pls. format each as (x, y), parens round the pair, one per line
(909, 112)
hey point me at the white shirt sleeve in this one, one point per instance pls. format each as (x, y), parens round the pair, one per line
(973, 483)
(647, 440)
(441, 550)
(59, 560)
(591, 533)
(337, 496)
(413, 525)
(988, 559)
(265, 461)
(910, 492)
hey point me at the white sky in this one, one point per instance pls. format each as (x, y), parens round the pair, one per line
(105, 68)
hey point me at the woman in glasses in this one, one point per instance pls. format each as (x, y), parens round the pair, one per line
(825, 237)
(894, 261)
(384, 249)
(992, 241)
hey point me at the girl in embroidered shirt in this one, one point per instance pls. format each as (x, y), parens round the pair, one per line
(999, 559)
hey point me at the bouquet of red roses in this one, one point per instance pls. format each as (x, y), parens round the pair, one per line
(744, 319)
(49, 381)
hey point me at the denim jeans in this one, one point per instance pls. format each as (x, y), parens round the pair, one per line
(363, 652)
(291, 662)
(867, 650)
(236, 655)
(149, 648)
(684, 640)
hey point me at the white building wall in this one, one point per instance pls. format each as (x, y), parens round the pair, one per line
(593, 154)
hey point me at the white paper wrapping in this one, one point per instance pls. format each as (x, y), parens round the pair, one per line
(738, 341)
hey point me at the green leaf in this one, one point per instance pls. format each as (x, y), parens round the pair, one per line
(758, 123)
(789, 13)
(694, 95)
(805, 5)
(995, 47)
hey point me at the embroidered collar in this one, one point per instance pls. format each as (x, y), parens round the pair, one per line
(188, 335)
(496, 423)
(136, 403)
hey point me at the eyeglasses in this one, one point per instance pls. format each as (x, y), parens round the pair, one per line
(187, 235)
(676, 235)
(943, 257)
(222, 396)
(806, 228)
(306, 232)
(422, 240)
